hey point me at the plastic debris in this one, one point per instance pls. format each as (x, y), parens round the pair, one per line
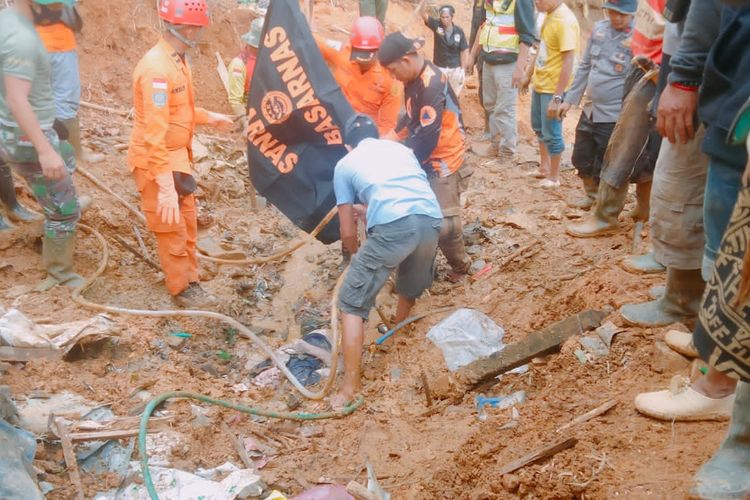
(174, 484)
(17, 449)
(305, 358)
(498, 402)
(17, 330)
(465, 336)
(325, 492)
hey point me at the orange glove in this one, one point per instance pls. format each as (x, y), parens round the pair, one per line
(167, 202)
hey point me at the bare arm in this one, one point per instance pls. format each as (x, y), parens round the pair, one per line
(348, 228)
(17, 95)
(521, 64)
(464, 58)
(566, 72)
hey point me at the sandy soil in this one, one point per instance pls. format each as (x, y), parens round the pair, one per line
(451, 454)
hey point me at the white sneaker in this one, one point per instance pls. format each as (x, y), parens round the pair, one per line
(681, 342)
(682, 403)
(549, 184)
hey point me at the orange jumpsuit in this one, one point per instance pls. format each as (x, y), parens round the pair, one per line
(374, 93)
(165, 117)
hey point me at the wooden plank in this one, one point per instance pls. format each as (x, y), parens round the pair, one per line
(538, 454)
(239, 447)
(539, 343)
(24, 354)
(221, 68)
(599, 410)
(70, 456)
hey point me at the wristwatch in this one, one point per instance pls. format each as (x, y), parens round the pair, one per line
(557, 99)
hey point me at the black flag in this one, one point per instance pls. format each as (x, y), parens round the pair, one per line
(295, 114)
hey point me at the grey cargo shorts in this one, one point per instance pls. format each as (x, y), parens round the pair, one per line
(409, 244)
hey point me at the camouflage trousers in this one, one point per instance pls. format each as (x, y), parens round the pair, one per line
(56, 197)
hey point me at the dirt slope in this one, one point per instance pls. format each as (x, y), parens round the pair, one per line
(447, 455)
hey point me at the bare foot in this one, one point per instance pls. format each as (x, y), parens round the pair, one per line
(714, 389)
(339, 400)
(455, 277)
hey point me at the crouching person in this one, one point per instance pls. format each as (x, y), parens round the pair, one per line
(403, 221)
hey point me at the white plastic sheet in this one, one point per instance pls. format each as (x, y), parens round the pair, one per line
(465, 336)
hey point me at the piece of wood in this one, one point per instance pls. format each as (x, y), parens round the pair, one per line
(359, 492)
(118, 424)
(599, 410)
(221, 68)
(539, 343)
(24, 354)
(78, 437)
(538, 454)
(239, 447)
(105, 109)
(96, 182)
(526, 252)
(141, 243)
(426, 387)
(70, 456)
(135, 252)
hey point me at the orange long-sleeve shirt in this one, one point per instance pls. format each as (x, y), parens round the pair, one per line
(375, 92)
(165, 113)
(57, 37)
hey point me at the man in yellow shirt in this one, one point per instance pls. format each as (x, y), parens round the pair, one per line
(240, 69)
(553, 75)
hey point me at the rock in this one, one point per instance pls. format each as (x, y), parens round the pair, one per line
(510, 482)
(311, 430)
(176, 342)
(666, 360)
(474, 250)
(199, 150)
(208, 246)
(8, 411)
(477, 266)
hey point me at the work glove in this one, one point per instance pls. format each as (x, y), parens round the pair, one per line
(167, 201)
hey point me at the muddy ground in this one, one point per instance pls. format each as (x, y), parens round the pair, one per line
(449, 454)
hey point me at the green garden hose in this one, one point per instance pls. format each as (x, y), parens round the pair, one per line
(347, 410)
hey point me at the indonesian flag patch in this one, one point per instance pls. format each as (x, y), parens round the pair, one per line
(159, 83)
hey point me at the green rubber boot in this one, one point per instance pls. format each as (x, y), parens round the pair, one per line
(642, 264)
(679, 303)
(603, 219)
(590, 189)
(727, 474)
(57, 255)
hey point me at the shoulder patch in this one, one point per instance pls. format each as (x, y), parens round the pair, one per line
(427, 75)
(395, 89)
(159, 83)
(427, 116)
(159, 99)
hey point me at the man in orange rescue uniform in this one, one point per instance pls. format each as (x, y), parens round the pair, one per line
(159, 154)
(368, 87)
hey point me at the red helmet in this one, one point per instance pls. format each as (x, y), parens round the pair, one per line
(367, 33)
(184, 12)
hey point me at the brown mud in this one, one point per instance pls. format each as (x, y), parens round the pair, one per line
(450, 454)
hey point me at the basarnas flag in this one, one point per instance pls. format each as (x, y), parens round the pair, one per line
(296, 111)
